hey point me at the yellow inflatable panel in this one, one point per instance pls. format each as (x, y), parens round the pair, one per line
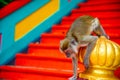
(37, 17)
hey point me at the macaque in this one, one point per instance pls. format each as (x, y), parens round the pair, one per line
(79, 35)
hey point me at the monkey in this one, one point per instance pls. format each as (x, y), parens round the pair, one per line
(80, 34)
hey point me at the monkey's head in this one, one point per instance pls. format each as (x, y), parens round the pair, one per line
(89, 20)
(64, 44)
(68, 47)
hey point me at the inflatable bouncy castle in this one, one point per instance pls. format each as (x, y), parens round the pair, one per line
(31, 30)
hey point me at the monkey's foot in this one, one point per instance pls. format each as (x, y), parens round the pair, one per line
(73, 78)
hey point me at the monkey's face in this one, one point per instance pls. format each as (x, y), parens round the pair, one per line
(64, 47)
(69, 52)
(68, 47)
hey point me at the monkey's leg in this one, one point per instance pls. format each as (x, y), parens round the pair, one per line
(91, 44)
(89, 41)
(75, 65)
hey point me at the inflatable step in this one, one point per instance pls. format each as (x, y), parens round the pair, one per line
(51, 50)
(60, 28)
(53, 38)
(43, 47)
(48, 54)
(110, 24)
(91, 3)
(102, 19)
(68, 20)
(56, 36)
(47, 47)
(112, 33)
(106, 25)
(105, 14)
(117, 72)
(11, 7)
(102, 7)
(33, 73)
(43, 60)
(72, 18)
(113, 36)
(107, 30)
(46, 61)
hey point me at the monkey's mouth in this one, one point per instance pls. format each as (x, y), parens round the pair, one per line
(68, 53)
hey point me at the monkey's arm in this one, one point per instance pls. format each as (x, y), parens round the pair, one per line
(88, 41)
(91, 45)
(100, 31)
(72, 52)
(75, 65)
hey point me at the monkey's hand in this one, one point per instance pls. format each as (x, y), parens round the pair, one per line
(107, 36)
(73, 78)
